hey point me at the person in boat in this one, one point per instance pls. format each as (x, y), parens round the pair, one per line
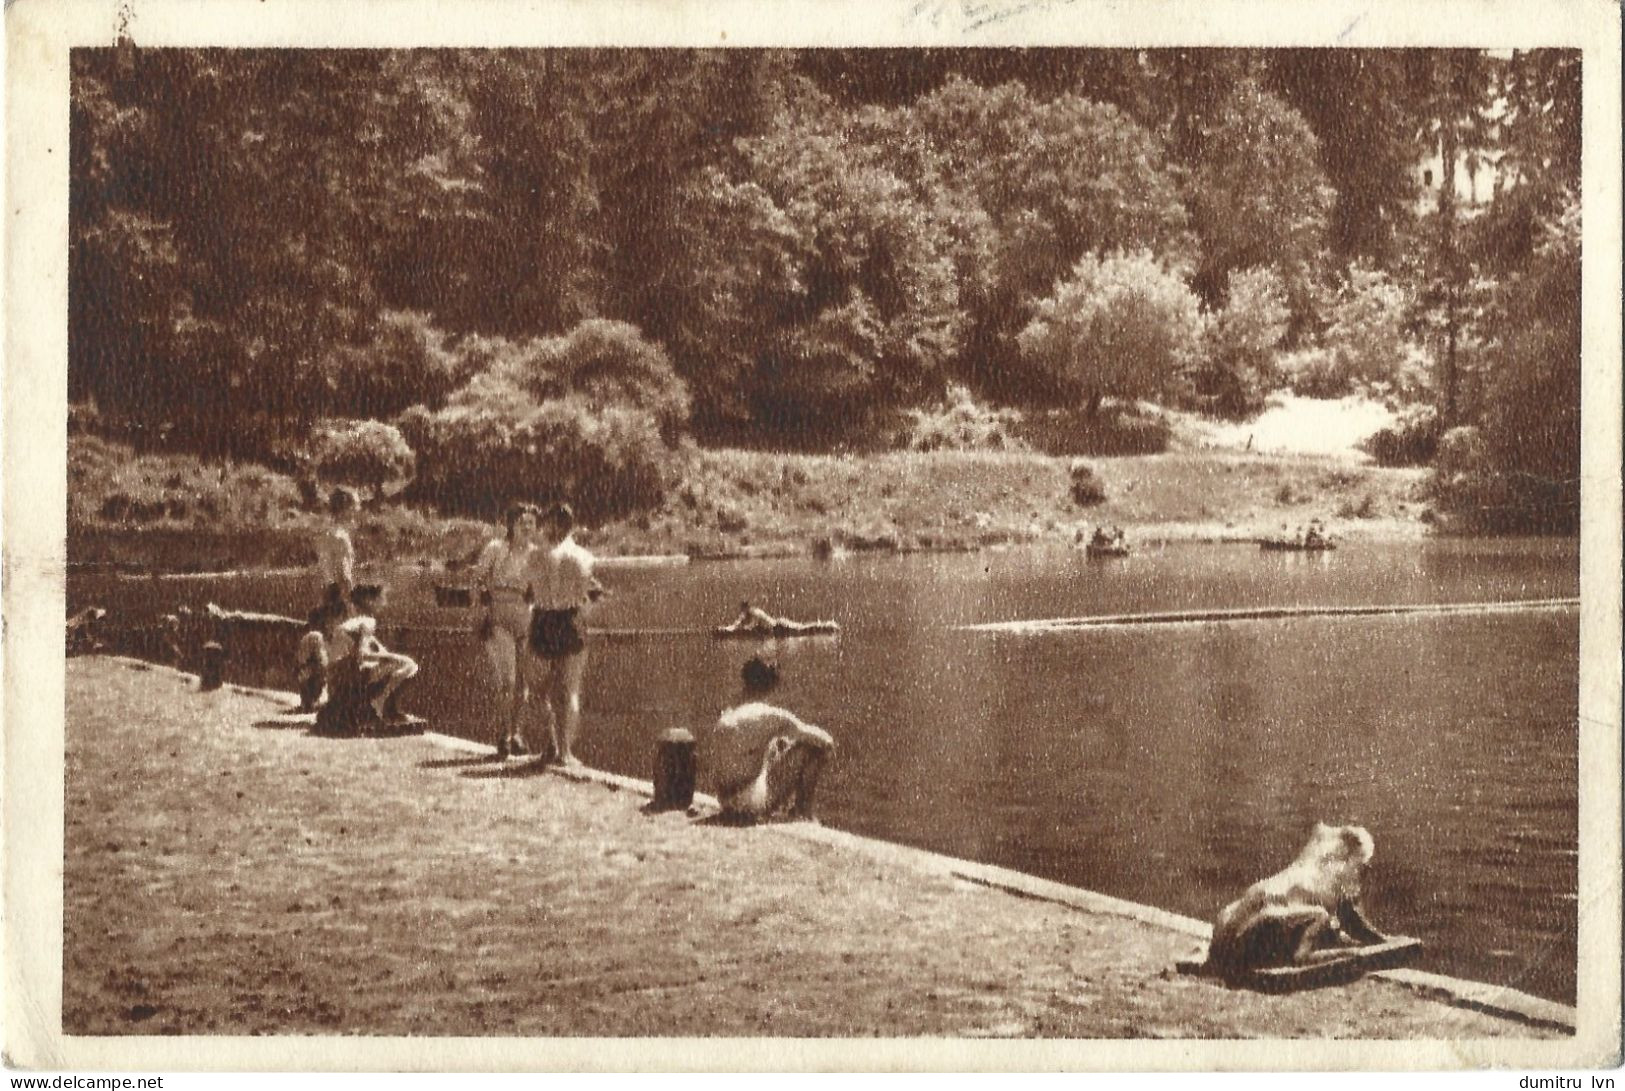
(1101, 538)
(363, 675)
(502, 575)
(1315, 535)
(335, 552)
(561, 576)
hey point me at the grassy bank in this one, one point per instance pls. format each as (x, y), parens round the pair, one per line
(246, 877)
(173, 513)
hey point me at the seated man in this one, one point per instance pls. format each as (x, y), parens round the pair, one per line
(763, 761)
(364, 678)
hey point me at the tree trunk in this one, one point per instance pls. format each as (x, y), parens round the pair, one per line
(1447, 230)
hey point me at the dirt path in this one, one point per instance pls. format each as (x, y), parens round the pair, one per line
(229, 874)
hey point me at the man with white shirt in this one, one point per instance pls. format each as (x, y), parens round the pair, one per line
(335, 553)
(562, 582)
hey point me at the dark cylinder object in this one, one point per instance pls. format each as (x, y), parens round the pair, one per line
(214, 659)
(674, 771)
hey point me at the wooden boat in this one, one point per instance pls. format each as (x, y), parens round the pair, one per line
(1394, 951)
(447, 596)
(781, 630)
(1116, 548)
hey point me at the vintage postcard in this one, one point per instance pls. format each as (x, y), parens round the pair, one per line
(958, 534)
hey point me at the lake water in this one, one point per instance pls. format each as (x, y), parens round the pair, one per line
(1168, 764)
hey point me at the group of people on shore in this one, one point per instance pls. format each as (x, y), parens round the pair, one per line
(533, 582)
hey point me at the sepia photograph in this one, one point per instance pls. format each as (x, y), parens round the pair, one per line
(1033, 536)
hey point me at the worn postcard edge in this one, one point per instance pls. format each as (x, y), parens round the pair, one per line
(40, 33)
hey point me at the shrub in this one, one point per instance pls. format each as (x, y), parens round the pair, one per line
(600, 362)
(1087, 488)
(84, 419)
(405, 362)
(1114, 431)
(362, 452)
(1316, 373)
(475, 460)
(1121, 326)
(1413, 440)
(1240, 345)
(1367, 332)
(961, 423)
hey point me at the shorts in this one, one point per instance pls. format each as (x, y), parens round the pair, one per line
(554, 634)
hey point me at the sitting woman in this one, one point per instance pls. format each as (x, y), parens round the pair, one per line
(364, 678)
(310, 660)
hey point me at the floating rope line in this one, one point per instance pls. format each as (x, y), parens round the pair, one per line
(1266, 613)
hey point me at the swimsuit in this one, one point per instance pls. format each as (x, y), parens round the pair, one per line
(554, 634)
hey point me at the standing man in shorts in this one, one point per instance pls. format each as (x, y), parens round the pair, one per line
(562, 582)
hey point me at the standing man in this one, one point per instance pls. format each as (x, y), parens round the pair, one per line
(335, 553)
(562, 581)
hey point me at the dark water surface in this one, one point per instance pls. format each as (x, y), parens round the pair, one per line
(1168, 764)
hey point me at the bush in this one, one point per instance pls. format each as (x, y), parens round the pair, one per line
(1316, 373)
(404, 363)
(476, 460)
(1121, 326)
(1087, 488)
(84, 419)
(1367, 333)
(601, 363)
(1240, 345)
(1412, 441)
(362, 452)
(961, 423)
(1114, 431)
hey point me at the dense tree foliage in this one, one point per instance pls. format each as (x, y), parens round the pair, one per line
(576, 257)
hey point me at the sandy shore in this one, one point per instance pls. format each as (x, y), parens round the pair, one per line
(227, 872)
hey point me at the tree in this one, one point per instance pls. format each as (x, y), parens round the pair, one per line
(1258, 196)
(1055, 180)
(1354, 101)
(1124, 325)
(1532, 411)
(826, 289)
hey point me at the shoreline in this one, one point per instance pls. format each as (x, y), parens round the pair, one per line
(1011, 903)
(736, 504)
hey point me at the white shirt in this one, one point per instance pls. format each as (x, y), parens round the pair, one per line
(335, 557)
(562, 577)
